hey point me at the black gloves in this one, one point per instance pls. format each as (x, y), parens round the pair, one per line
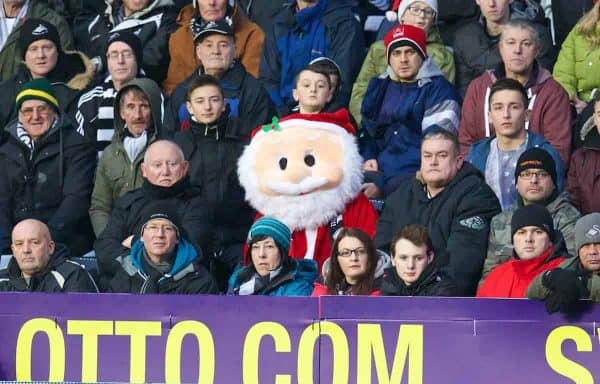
(566, 286)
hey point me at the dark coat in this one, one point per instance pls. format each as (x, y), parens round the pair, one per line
(60, 275)
(126, 220)
(457, 219)
(430, 283)
(53, 184)
(187, 275)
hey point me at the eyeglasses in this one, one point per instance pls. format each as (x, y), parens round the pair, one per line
(42, 110)
(426, 12)
(360, 251)
(116, 55)
(527, 175)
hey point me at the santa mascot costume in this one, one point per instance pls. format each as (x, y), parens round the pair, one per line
(306, 171)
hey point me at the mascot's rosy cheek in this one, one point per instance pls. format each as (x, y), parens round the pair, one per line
(305, 170)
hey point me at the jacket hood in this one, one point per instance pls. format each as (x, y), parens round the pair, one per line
(428, 70)
(186, 255)
(154, 95)
(587, 130)
(305, 270)
(83, 78)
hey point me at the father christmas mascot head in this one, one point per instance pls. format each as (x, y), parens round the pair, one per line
(305, 170)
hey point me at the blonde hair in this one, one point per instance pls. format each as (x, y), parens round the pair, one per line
(587, 26)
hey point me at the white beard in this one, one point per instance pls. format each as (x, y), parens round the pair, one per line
(305, 211)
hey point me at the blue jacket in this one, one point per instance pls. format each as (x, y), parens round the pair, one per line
(393, 137)
(297, 282)
(479, 152)
(295, 38)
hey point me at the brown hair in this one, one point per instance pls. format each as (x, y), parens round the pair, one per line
(416, 234)
(335, 277)
(136, 92)
(202, 81)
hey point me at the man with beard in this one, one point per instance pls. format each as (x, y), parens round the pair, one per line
(305, 171)
(165, 179)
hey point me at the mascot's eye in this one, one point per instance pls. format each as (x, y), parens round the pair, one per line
(309, 160)
(283, 163)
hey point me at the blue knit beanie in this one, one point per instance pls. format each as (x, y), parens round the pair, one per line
(268, 226)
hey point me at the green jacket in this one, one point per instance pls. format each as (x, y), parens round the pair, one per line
(500, 249)
(376, 63)
(11, 57)
(116, 174)
(577, 68)
(537, 290)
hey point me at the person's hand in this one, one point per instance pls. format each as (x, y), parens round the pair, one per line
(370, 165)
(371, 190)
(578, 104)
(567, 286)
(127, 242)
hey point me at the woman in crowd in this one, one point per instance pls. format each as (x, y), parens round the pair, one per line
(576, 68)
(272, 272)
(354, 268)
(413, 272)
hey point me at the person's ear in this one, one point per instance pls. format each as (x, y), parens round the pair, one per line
(295, 95)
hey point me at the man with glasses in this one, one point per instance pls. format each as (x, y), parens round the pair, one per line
(535, 179)
(47, 171)
(496, 157)
(162, 260)
(95, 113)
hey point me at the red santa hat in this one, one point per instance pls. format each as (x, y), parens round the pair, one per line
(399, 7)
(405, 34)
(337, 122)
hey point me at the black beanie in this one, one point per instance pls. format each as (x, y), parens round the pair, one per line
(161, 209)
(532, 215)
(37, 29)
(536, 158)
(130, 39)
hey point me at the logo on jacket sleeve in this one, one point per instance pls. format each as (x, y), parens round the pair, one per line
(476, 223)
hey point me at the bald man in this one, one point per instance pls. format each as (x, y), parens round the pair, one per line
(40, 265)
(165, 179)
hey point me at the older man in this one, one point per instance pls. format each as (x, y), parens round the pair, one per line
(162, 260)
(95, 113)
(47, 170)
(247, 35)
(451, 199)
(548, 103)
(165, 179)
(40, 265)
(13, 14)
(249, 103)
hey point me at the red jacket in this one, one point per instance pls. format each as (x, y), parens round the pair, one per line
(512, 278)
(320, 290)
(550, 114)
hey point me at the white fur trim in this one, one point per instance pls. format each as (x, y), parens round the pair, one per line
(391, 16)
(303, 123)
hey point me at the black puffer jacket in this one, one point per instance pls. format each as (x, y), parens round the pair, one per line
(457, 219)
(61, 275)
(126, 220)
(52, 184)
(430, 283)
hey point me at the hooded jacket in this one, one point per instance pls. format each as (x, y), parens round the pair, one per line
(116, 174)
(584, 171)
(126, 220)
(479, 152)
(187, 275)
(376, 63)
(11, 56)
(549, 116)
(457, 219)
(512, 278)
(430, 283)
(72, 74)
(248, 101)
(297, 37)
(248, 46)
(60, 275)
(500, 249)
(392, 128)
(298, 281)
(153, 25)
(475, 50)
(52, 183)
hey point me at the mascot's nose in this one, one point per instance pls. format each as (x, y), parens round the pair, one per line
(296, 173)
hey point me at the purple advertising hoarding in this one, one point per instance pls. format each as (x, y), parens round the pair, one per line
(221, 339)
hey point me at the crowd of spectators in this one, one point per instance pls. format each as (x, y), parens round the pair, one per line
(478, 123)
